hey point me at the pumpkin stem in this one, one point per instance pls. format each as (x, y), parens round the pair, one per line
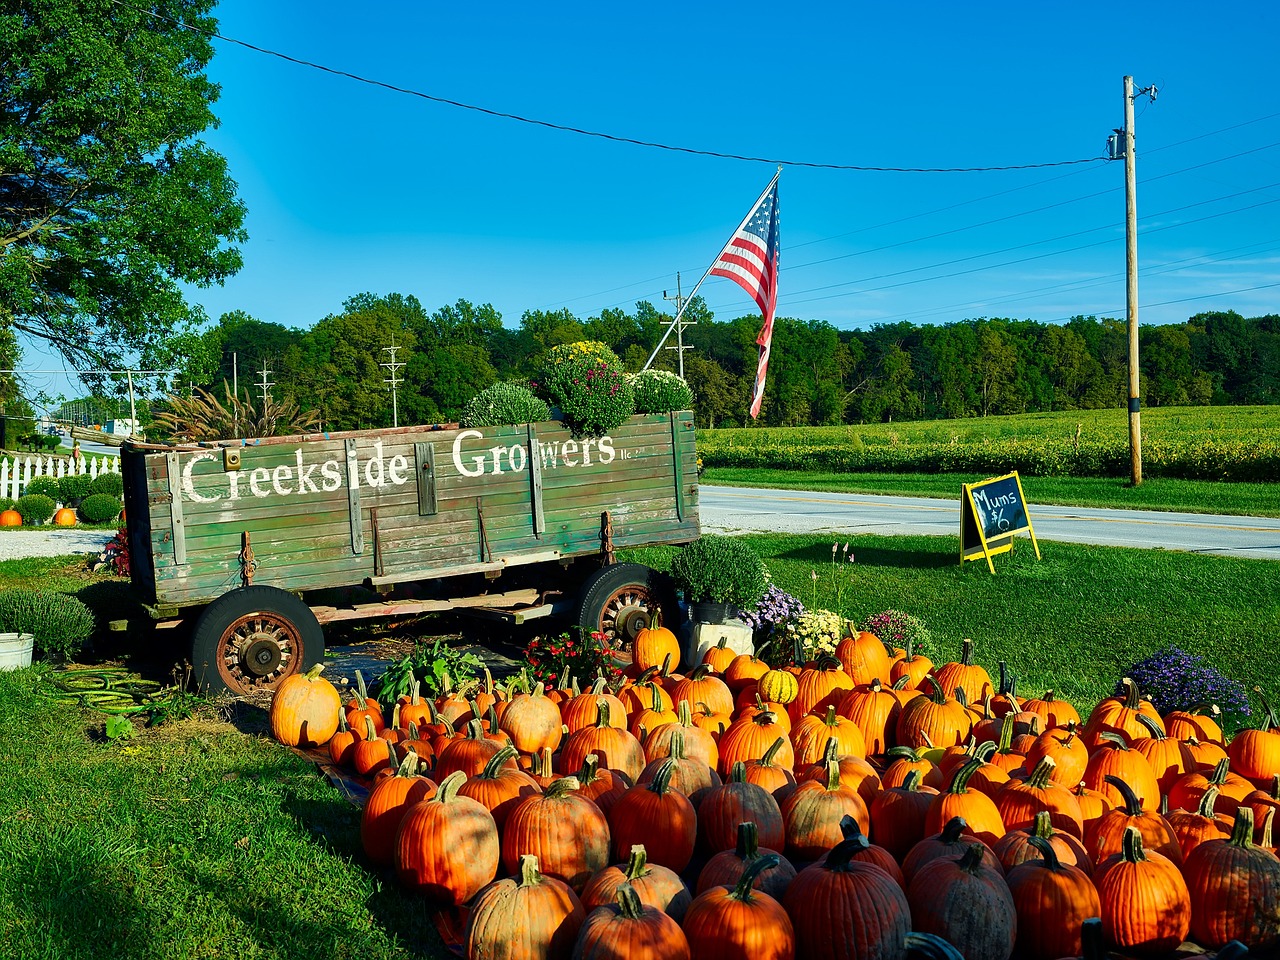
(529, 875)
(830, 719)
(1269, 717)
(590, 767)
(850, 829)
(833, 775)
(558, 788)
(738, 773)
(1117, 740)
(767, 759)
(1043, 771)
(912, 783)
(661, 781)
(1132, 696)
(629, 904)
(1207, 801)
(960, 781)
(414, 733)
(1132, 806)
(499, 760)
(930, 946)
(829, 750)
(1043, 826)
(1047, 853)
(742, 891)
(1220, 770)
(748, 841)
(314, 672)
(843, 853)
(966, 652)
(971, 860)
(342, 722)
(1006, 734)
(1150, 724)
(636, 867)
(1242, 829)
(542, 764)
(361, 691)
(475, 730)
(1267, 819)
(684, 714)
(676, 745)
(1092, 940)
(1131, 846)
(369, 732)
(448, 789)
(392, 758)
(953, 829)
(602, 713)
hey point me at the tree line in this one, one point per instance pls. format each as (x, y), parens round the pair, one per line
(817, 374)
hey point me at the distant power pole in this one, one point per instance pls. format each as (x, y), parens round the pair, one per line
(392, 380)
(679, 301)
(1131, 273)
(265, 385)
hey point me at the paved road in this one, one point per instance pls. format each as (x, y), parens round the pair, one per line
(744, 510)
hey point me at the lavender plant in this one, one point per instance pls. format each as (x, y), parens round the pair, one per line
(1173, 679)
(775, 607)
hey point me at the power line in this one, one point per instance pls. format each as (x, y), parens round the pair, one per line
(565, 128)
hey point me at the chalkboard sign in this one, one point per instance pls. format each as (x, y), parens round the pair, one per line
(992, 512)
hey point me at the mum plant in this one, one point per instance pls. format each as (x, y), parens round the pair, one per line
(661, 391)
(571, 657)
(898, 629)
(815, 632)
(586, 382)
(505, 402)
(719, 569)
(1173, 679)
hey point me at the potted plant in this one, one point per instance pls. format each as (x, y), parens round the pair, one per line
(719, 575)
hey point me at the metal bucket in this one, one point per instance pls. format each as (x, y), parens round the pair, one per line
(15, 650)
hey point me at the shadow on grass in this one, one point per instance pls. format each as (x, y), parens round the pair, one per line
(819, 556)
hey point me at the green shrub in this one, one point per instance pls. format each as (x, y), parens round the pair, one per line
(74, 487)
(661, 391)
(35, 508)
(718, 569)
(108, 483)
(47, 486)
(100, 508)
(60, 624)
(6, 503)
(51, 442)
(503, 403)
(585, 380)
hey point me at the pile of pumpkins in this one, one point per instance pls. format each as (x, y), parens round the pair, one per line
(862, 805)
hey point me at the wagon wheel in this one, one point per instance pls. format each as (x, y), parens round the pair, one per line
(619, 601)
(252, 638)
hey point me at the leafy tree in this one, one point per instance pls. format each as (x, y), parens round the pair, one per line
(109, 202)
(891, 392)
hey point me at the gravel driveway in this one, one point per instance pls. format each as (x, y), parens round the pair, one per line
(52, 542)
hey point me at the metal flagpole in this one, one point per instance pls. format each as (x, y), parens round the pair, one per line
(694, 292)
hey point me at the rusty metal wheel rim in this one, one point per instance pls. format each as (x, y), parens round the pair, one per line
(258, 650)
(624, 614)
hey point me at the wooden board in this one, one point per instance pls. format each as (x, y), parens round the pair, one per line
(388, 506)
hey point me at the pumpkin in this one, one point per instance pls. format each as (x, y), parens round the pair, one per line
(655, 885)
(388, 801)
(749, 740)
(913, 667)
(1105, 835)
(1255, 751)
(305, 709)
(1068, 752)
(447, 846)
(1055, 712)
(898, 813)
(699, 686)
(756, 706)
(1235, 889)
(777, 779)
(1093, 805)
(933, 719)
(527, 915)
(583, 710)
(728, 923)
(658, 816)
(1019, 801)
(1120, 715)
(655, 645)
(1015, 847)
(875, 710)
(957, 800)
(1114, 758)
(744, 669)
(689, 775)
(698, 743)
(10, 518)
(843, 907)
(567, 833)
(362, 706)
(371, 752)
(470, 753)
(965, 901)
(725, 807)
(1186, 791)
(598, 784)
(818, 687)
(719, 656)
(630, 930)
(64, 517)
(413, 743)
(863, 657)
(812, 813)
(1194, 827)
(812, 733)
(726, 867)
(499, 786)
(532, 721)
(654, 714)
(1201, 721)
(855, 773)
(1263, 800)
(615, 748)
(1052, 900)
(952, 841)
(868, 852)
(1168, 756)
(714, 723)
(778, 686)
(342, 745)
(1146, 907)
(903, 761)
(965, 675)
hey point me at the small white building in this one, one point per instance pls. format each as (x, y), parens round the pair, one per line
(122, 428)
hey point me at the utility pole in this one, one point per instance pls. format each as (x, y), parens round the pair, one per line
(680, 325)
(392, 380)
(133, 407)
(235, 375)
(1131, 274)
(264, 388)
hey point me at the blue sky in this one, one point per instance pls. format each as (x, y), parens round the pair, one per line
(353, 188)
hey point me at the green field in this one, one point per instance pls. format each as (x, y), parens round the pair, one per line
(1189, 443)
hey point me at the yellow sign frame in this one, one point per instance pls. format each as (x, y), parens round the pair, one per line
(975, 521)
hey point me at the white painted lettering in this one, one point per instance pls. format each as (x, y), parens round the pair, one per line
(457, 455)
(260, 475)
(567, 449)
(607, 453)
(332, 477)
(519, 457)
(304, 475)
(496, 454)
(395, 469)
(188, 481)
(279, 476)
(376, 459)
(353, 468)
(586, 451)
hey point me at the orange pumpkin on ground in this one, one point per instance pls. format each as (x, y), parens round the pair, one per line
(740, 921)
(305, 709)
(447, 847)
(655, 885)
(527, 915)
(10, 518)
(65, 517)
(629, 928)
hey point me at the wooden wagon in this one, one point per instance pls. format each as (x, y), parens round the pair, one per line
(254, 544)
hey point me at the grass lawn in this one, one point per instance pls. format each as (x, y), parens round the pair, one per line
(1157, 493)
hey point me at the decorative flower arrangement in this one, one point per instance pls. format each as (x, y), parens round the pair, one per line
(505, 402)
(1173, 679)
(586, 382)
(660, 391)
(816, 631)
(585, 659)
(775, 607)
(897, 628)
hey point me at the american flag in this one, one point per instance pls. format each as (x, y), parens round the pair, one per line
(750, 259)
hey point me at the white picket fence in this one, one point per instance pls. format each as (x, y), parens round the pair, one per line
(16, 474)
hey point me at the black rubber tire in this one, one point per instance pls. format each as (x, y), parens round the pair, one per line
(624, 589)
(253, 638)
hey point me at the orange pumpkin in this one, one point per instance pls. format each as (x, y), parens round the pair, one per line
(66, 517)
(10, 518)
(653, 645)
(305, 709)
(527, 915)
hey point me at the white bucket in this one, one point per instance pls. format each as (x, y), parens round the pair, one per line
(15, 650)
